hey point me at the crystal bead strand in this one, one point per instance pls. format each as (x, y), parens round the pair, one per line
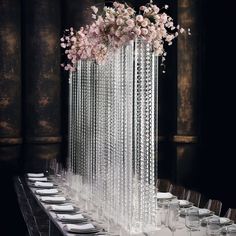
(148, 124)
(128, 63)
(116, 191)
(139, 130)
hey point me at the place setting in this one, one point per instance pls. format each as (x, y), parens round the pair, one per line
(47, 192)
(71, 218)
(63, 208)
(54, 199)
(86, 228)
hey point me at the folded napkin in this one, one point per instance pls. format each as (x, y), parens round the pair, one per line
(46, 191)
(183, 202)
(224, 220)
(72, 227)
(53, 199)
(166, 195)
(62, 208)
(43, 179)
(43, 184)
(35, 175)
(70, 217)
(204, 211)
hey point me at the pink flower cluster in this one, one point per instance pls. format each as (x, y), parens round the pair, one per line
(116, 27)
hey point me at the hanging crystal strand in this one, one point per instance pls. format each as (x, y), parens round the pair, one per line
(139, 165)
(154, 148)
(116, 190)
(148, 127)
(92, 135)
(129, 161)
(70, 119)
(112, 86)
(109, 120)
(99, 137)
(87, 127)
(80, 130)
(68, 164)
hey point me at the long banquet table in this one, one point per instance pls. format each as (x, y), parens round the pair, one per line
(56, 227)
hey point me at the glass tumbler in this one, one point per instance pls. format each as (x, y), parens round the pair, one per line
(213, 226)
(192, 220)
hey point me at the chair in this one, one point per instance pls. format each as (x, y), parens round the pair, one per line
(194, 197)
(231, 214)
(214, 205)
(163, 185)
(26, 208)
(178, 191)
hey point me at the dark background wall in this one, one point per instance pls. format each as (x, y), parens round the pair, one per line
(196, 94)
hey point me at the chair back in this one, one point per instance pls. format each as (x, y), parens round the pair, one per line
(194, 197)
(214, 205)
(163, 185)
(178, 191)
(26, 209)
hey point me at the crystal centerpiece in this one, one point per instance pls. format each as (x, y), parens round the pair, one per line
(112, 121)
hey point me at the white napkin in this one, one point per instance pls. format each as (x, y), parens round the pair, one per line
(72, 227)
(183, 202)
(166, 195)
(204, 211)
(43, 184)
(43, 179)
(224, 220)
(62, 208)
(46, 191)
(53, 199)
(35, 175)
(70, 217)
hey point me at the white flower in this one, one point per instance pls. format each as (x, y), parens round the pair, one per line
(181, 30)
(95, 9)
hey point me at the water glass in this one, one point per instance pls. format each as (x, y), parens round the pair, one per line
(192, 220)
(164, 208)
(173, 214)
(213, 226)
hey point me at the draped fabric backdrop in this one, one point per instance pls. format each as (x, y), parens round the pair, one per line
(34, 89)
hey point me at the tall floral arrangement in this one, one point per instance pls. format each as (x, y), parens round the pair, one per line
(115, 27)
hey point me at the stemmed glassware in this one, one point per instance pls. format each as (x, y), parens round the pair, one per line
(192, 220)
(173, 214)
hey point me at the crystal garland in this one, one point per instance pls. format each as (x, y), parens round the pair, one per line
(111, 137)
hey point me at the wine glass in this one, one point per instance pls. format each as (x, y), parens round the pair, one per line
(173, 213)
(192, 220)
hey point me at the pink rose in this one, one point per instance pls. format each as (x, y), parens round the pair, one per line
(144, 31)
(130, 23)
(119, 21)
(145, 23)
(139, 18)
(137, 31)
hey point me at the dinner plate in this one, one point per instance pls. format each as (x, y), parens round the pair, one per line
(73, 220)
(54, 201)
(47, 194)
(202, 212)
(82, 231)
(76, 209)
(31, 184)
